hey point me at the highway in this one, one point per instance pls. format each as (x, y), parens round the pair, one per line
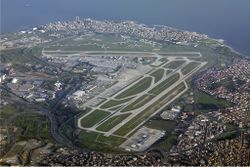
(50, 113)
(54, 125)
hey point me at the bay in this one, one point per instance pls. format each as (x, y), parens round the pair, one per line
(221, 19)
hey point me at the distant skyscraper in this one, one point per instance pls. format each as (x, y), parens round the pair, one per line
(77, 19)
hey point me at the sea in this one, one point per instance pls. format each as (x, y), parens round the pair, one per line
(220, 19)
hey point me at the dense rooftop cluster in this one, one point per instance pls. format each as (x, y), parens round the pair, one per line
(49, 80)
(30, 81)
(202, 128)
(211, 138)
(231, 83)
(160, 33)
(97, 159)
(229, 152)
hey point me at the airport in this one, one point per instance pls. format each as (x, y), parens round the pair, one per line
(124, 112)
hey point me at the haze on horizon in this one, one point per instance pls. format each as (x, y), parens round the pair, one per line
(226, 19)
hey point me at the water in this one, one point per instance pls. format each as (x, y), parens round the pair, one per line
(225, 19)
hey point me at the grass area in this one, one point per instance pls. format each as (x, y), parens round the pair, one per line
(188, 68)
(187, 107)
(98, 142)
(68, 129)
(139, 87)
(179, 54)
(161, 124)
(231, 127)
(168, 142)
(81, 47)
(34, 126)
(204, 101)
(158, 74)
(14, 56)
(111, 47)
(165, 84)
(168, 72)
(15, 150)
(227, 82)
(96, 42)
(93, 118)
(112, 122)
(174, 64)
(145, 114)
(228, 135)
(67, 53)
(112, 141)
(163, 60)
(115, 108)
(7, 111)
(22, 56)
(113, 103)
(91, 140)
(138, 103)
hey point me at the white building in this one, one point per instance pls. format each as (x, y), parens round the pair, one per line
(78, 95)
(2, 78)
(14, 80)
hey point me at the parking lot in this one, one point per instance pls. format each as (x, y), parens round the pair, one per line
(142, 139)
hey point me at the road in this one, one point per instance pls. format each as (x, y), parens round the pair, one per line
(54, 125)
(50, 113)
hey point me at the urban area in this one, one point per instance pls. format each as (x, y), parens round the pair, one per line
(102, 93)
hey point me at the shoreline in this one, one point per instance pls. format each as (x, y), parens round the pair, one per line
(222, 41)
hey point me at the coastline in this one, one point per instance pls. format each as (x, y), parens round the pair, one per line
(154, 26)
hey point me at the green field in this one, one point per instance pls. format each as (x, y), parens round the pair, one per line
(158, 74)
(7, 111)
(93, 118)
(91, 140)
(113, 103)
(161, 124)
(207, 103)
(134, 122)
(33, 126)
(98, 142)
(168, 72)
(138, 103)
(16, 149)
(163, 60)
(139, 87)
(19, 56)
(179, 54)
(168, 142)
(112, 122)
(115, 108)
(94, 47)
(63, 53)
(96, 43)
(82, 47)
(165, 84)
(188, 68)
(174, 64)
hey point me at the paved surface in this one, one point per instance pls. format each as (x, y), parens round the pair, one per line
(126, 53)
(156, 98)
(142, 139)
